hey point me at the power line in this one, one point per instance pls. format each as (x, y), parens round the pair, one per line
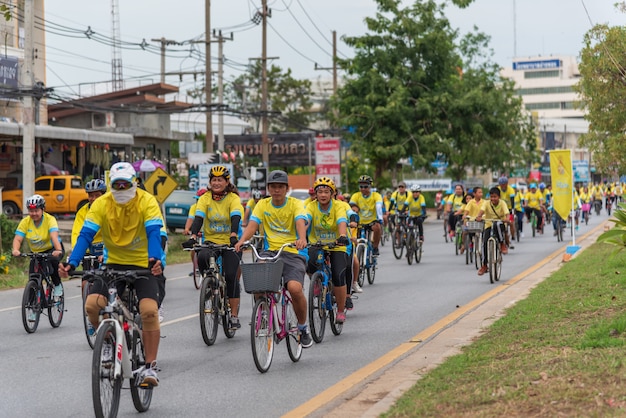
(289, 45)
(304, 30)
(317, 28)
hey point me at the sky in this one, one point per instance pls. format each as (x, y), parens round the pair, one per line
(299, 34)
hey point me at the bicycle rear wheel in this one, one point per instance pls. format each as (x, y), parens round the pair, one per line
(478, 249)
(466, 243)
(397, 245)
(56, 306)
(445, 228)
(226, 317)
(142, 396)
(410, 248)
(197, 277)
(209, 312)
(31, 306)
(335, 327)
(371, 269)
(262, 335)
(317, 310)
(491, 259)
(418, 252)
(91, 339)
(294, 348)
(105, 387)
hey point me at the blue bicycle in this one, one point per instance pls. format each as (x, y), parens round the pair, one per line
(365, 254)
(322, 303)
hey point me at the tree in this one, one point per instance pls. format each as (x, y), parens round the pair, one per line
(602, 88)
(412, 91)
(289, 100)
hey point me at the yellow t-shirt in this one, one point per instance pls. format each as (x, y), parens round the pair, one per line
(398, 200)
(216, 216)
(534, 200)
(507, 194)
(457, 202)
(38, 236)
(585, 197)
(123, 227)
(473, 208)
(279, 223)
(518, 201)
(367, 206)
(417, 206)
(79, 220)
(501, 211)
(324, 225)
(192, 211)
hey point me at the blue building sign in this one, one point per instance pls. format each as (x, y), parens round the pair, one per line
(8, 72)
(537, 65)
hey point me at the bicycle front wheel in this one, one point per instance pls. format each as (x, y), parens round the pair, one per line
(142, 396)
(209, 314)
(317, 310)
(360, 255)
(418, 252)
(262, 335)
(105, 387)
(410, 247)
(294, 348)
(371, 269)
(31, 306)
(226, 325)
(491, 259)
(335, 327)
(197, 277)
(398, 245)
(56, 306)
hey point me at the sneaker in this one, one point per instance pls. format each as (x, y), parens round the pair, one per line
(503, 249)
(91, 331)
(356, 288)
(107, 354)
(421, 238)
(375, 252)
(148, 375)
(234, 322)
(58, 291)
(161, 314)
(349, 304)
(511, 247)
(340, 318)
(305, 337)
(482, 270)
(522, 235)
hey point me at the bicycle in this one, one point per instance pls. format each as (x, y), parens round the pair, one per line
(533, 222)
(399, 237)
(597, 206)
(385, 236)
(458, 235)
(90, 262)
(38, 294)
(214, 302)
(608, 205)
(365, 254)
(118, 351)
(413, 244)
(257, 242)
(322, 302)
(473, 233)
(267, 325)
(494, 255)
(560, 224)
(196, 274)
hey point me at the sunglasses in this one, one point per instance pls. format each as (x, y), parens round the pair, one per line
(121, 185)
(401, 187)
(364, 187)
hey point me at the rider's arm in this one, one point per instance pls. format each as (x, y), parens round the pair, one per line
(17, 244)
(153, 232)
(85, 237)
(379, 210)
(196, 225)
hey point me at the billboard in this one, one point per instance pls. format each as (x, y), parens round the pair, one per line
(581, 171)
(287, 150)
(328, 158)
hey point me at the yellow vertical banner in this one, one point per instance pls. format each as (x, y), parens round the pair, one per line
(562, 181)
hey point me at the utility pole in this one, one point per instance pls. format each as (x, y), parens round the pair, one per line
(207, 75)
(220, 86)
(264, 121)
(27, 78)
(334, 67)
(164, 42)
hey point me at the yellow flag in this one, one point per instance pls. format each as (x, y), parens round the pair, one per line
(562, 181)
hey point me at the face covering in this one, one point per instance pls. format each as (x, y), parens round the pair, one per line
(124, 196)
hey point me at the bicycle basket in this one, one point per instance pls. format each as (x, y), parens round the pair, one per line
(262, 277)
(475, 227)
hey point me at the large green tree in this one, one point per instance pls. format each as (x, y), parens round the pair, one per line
(414, 90)
(602, 88)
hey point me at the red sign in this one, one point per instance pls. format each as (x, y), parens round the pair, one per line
(328, 158)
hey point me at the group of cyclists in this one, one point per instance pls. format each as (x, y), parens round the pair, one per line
(122, 225)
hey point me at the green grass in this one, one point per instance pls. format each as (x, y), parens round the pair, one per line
(559, 352)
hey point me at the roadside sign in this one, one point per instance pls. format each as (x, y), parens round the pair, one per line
(160, 184)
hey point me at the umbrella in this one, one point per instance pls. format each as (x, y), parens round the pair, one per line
(147, 165)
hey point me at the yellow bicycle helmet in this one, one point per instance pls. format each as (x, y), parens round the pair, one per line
(325, 181)
(365, 179)
(219, 171)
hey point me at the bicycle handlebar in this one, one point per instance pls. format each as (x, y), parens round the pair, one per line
(45, 256)
(113, 276)
(210, 246)
(248, 244)
(322, 246)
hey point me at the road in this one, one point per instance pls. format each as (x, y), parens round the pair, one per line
(50, 370)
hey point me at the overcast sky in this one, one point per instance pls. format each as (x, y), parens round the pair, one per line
(543, 27)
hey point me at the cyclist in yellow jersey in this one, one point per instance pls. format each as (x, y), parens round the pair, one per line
(353, 265)
(284, 222)
(494, 208)
(518, 210)
(370, 209)
(396, 202)
(191, 215)
(471, 210)
(220, 211)
(94, 188)
(41, 232)
(534, 203)
(328, 224)
(454, 206)
(416, 207)
(130, 221)
(507, 193)
(619, 191)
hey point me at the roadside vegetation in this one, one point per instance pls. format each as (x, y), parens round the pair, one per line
(559, 352)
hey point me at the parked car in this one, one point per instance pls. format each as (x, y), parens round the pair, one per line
(63, 194)
(301, 194)
(176, 208)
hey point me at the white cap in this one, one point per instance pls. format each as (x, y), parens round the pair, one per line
(122, 171)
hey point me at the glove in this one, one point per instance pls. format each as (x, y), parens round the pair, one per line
(233, 241)
(342, 240)
(189, 243)
(72, 268)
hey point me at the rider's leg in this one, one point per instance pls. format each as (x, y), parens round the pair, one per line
(376, 230)
(339, 266)
(230, 266)
(293, 274)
